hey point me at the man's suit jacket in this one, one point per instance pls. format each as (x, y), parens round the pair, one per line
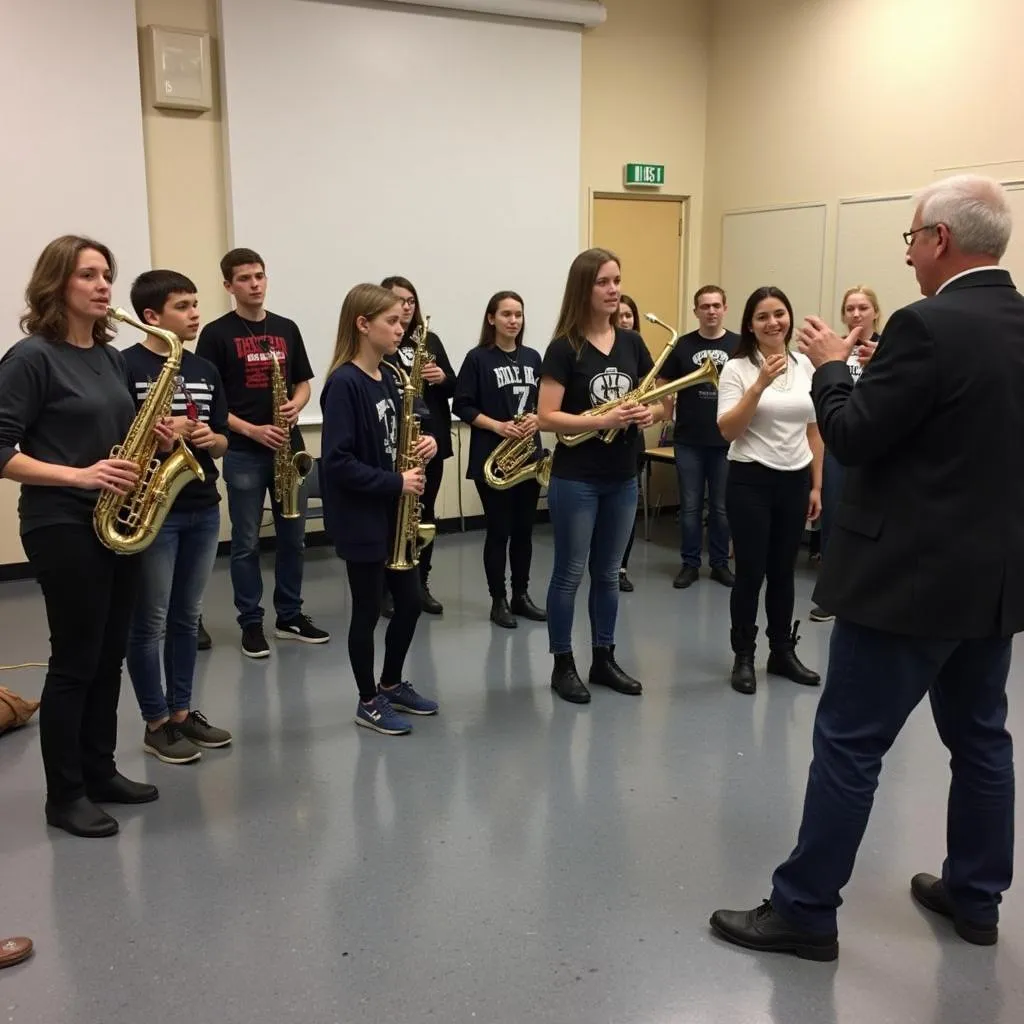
(928, 538)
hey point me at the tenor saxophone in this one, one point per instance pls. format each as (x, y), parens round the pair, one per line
(128, 523)
(411, 535)
(290, 468)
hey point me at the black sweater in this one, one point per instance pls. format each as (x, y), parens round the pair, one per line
(436, 396)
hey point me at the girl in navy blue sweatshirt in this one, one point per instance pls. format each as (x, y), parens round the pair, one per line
(361, 488)
(498, 381)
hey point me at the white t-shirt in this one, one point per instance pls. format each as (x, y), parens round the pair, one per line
(777, 434)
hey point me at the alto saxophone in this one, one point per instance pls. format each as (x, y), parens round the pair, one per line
(290, 469)
(128, 523)
(411, 535)
(504, 467)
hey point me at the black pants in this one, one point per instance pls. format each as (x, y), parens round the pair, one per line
(510, 516)
(366, 582)
(89, 594)
(434, 470)
(767, 511)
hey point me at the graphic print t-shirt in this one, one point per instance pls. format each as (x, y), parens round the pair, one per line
(241, 352)
(498, 384)
(387, 418)
(697, 408)
(591, 379)
(199, 395)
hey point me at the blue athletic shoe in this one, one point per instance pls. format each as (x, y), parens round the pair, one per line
(405, 698)
(380, 716)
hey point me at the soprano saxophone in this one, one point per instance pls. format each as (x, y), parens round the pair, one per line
(290, 468)
(128, 523)
(411, 535)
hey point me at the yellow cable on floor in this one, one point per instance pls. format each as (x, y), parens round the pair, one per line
(24, 664)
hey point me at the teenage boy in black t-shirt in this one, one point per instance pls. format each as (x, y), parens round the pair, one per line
(239, 345)
(700, 449)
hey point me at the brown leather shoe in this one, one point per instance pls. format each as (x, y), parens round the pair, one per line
(13, 951)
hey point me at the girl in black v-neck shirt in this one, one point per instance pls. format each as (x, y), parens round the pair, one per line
(593, 491)
(498, 382)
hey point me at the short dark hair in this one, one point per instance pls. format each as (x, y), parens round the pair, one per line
(707, 289)
(239, 258)
(747, 345)
(152, 289)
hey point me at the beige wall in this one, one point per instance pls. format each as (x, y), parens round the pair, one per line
(816, 100)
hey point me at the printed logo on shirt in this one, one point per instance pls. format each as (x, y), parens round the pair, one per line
(255, 354)
(386, 414)
(609, 384)
(406, 353)
(192, 399)
(720, 356)
(522, 381)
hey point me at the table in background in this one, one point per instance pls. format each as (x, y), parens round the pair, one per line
(665, 455)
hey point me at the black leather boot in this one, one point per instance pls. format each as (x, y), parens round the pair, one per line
(81, 817)
(523, 605)
(500, 614)
(605, 671)
(566, 682)
(744, 642)
(782, 661)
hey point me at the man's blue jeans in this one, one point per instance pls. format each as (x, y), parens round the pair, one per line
(700, 466)
(174, 571)
(249, 477)
(592, 520)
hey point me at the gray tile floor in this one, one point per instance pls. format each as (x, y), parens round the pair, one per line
(515, 860)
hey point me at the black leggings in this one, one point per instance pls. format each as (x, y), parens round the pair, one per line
(510, 516)
(767, 511)
(89, 594)
(434, 470)
(366, 582)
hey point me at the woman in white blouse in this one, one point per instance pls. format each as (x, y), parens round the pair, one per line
(766, 414)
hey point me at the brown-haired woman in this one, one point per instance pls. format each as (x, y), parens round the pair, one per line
(593, 492)
(65, 401)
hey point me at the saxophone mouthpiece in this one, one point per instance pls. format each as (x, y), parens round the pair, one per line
(651, 317)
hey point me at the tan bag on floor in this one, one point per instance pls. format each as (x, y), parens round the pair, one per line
(15, 710)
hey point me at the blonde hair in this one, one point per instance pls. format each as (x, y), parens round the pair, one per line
(862, 289)
(579, 286)
(367, 300)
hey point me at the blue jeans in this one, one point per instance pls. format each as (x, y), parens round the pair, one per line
(698, 466)
(249, 477)
(874, 681)
(832, 474)
(591, 521)
(174, 570)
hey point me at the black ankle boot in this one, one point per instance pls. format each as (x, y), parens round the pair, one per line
(744, 641)
(605, 671)
(81, 817)
(522, 605)
(428, 602)
(783, 660)
(500, 614)
(566, 682)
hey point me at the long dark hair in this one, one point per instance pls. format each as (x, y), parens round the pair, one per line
(417, 317)
(747, 346)
(625, 300)
(488, 332)
(579, 287)
(47, 312)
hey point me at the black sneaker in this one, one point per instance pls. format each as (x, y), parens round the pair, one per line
(820, 615)
(723, 574)
(686, 577)
(203, 641)
(254, 641)
(300, 628)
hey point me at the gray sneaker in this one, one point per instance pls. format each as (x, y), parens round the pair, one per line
(197, 729)
(170, 745)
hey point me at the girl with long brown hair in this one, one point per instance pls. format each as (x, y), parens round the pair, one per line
(361, 488)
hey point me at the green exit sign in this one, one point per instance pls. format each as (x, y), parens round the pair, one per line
(650, 175)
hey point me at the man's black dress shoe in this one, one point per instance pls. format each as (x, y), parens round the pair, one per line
(81, 817)
(930, 892)
(119, 790)
(767, 931)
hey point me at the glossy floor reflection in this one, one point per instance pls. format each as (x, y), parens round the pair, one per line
(514, 860)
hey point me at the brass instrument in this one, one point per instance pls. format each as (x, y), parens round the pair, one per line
(290, 468)
(411, 535)
(128, 523)
(502, 468)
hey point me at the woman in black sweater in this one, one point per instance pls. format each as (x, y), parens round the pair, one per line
(497, 382)
(438, 388)
(65, 401)
(361, 487)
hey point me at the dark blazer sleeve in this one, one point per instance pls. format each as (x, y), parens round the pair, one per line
(897, 391)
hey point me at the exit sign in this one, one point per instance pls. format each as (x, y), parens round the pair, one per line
(649, 175)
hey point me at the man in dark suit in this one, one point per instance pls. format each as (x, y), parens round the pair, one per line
(933, 438)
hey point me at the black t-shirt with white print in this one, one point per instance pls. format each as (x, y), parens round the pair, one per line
(591, 379)
(240, 350)
(498, 384)
(697, 408)
(199, 395)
